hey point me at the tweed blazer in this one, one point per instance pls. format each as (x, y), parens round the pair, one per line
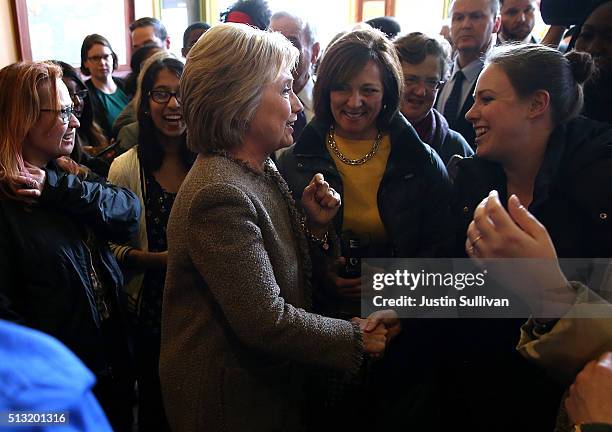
(235, 332)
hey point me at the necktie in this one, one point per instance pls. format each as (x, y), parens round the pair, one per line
(451, 109)
(299, 125)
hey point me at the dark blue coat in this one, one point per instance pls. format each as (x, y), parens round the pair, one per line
(45, 260)
(413, 196)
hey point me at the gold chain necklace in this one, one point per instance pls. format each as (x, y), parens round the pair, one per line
(331, 142)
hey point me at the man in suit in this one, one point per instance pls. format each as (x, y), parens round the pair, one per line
(517, 21)
(473, 23)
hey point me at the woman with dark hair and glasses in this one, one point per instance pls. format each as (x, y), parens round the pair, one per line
(57, 273)
(154, 170)
(139, 57)
(89, 139)
(425, 65)
(107, 94)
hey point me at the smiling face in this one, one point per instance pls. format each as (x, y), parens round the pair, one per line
(472, 23)
(99, 61)
(499, 116)
(355, 105)
(166, 116)
(419, 95)
(50, 137)
(272, 125)
(517, 18)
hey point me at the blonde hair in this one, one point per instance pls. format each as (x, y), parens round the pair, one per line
(223, 81)
(20, 84)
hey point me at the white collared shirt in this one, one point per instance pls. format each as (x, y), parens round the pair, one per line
(529, 39)
(471, 72)
(306, 98)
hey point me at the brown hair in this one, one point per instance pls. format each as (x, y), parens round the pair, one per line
(345, 58)
(88, 42)
(532, 67)
(20, 84)
(413, 48)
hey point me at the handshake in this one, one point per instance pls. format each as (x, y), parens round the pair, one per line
(377, 330)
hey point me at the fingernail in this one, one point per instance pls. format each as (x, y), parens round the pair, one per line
(514, 200)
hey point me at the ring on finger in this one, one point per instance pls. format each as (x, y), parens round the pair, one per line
(476, 241)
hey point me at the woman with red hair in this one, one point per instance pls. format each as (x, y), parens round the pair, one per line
(56, 272)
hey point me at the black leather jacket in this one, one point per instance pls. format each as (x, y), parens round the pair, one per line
(572, 194)
(413, 196)
(46, 260)
(573, 200)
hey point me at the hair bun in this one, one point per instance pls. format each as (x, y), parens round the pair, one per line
(582, 65)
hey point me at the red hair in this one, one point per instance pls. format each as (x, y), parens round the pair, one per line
(20, 87)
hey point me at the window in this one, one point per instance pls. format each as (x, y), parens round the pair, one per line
(329, 16)
(176, 16)
(55, 29)
(368, 9)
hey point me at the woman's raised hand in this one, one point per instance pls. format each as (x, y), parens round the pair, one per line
(320, 202)
(31, 182)
(516, 233)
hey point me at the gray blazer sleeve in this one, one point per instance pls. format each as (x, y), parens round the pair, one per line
(227, 249)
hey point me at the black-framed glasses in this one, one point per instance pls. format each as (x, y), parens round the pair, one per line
(81, 94)
(164, 96)
(97, 58)
(64, 113)
(429, 83)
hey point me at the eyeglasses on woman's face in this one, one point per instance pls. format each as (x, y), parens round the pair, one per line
(97, 58)
(64, 113)
(164, 96)
(80, 95)
(430, 84)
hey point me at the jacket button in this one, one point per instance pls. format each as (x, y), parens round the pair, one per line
(466, 209)
(603, 216)
(300, 165)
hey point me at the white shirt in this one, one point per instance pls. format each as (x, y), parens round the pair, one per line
(530, 38)
(306, 98)
(471, 72)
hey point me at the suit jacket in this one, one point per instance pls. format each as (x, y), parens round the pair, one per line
(461, 125)
(235, 331)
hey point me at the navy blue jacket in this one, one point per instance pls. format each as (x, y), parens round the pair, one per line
(572, 194)
(413, 196)
(45, 262)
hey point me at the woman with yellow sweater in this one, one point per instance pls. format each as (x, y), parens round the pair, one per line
(394, 188)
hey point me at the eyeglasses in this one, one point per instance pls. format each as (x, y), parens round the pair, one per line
(97, 58)
(81, 94)
(64, 113)
(163, 96)
(430, 84)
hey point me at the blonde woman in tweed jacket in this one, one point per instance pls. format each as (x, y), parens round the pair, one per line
(236, 334)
